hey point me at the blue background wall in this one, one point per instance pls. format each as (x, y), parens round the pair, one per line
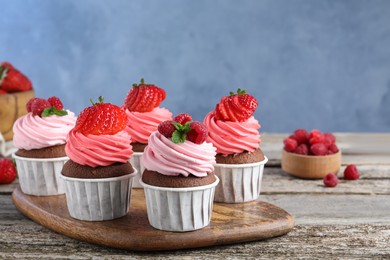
(311, 64)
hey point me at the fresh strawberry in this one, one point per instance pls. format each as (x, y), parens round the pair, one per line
(182, 118)
(7, 171)
(6, 64)
(166, 128)
(2, 91)
(237, 107)
(12, 80)
(56, 102)
(198, 132)
(144, 97)
(38, 105)
(101, 118)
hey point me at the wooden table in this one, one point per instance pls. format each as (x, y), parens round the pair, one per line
(351, 220)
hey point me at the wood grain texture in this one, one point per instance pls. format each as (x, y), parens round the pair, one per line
(230, 223)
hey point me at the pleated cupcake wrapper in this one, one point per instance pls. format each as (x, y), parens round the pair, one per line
(98, 199)
(238, 182)
(40, 176)
(179, 209)
(136, 162)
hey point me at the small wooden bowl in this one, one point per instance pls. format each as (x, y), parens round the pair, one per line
(12, 106)
(309, 166)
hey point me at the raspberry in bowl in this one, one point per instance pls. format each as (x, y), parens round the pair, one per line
(234, 131)
(311, 155)
(142, 107)
(179, 181)
(40, 137)
(98, 176)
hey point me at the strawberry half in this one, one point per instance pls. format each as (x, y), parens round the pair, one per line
(12, 80)
(101, 118)
(144, 97)
(237, 107)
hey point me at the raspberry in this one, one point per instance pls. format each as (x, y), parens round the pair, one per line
(300, 135)
(333, 148)
(182, 118)
(290, 144)
(319, 149)
(302, 149)
(29, 103)
(331, 180)
(316, 136)
(38, 105)
(351, 172)
(7, 171)
(166, 128)
(56, 102)
(198, 133)
(329, 139)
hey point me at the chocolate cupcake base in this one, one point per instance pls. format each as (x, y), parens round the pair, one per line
(157, 179)
(47, 152)
(244, 157)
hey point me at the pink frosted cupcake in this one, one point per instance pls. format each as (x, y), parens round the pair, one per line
(178, 180)
(240, 162)
(40, 137)
(144, 115)
(98, 176)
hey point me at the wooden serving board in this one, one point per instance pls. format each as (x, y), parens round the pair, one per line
(230, 223)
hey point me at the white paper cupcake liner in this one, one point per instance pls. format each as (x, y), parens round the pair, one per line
(136, 162)
(238, 182)
(98, 199)
(179, 209)
(40, 176)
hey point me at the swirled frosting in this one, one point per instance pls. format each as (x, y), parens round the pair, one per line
(233, 137)
(99, 150)
(35, 132)
(164, 156)
(142, 125)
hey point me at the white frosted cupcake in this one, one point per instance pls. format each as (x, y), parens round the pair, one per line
(144, 115)
(178, 179)
(240, 162)
(40, 138)
(98, 176)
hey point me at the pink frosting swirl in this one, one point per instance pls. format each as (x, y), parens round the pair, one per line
(142, 125)
(233, 137)
(164, 156)
(35, 132)
(99, 150)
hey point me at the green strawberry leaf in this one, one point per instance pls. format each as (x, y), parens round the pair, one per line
(53, 111)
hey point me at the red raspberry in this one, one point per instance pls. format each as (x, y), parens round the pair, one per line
(166, 128)
(29, 103)
(319, 149)
(198, 133)
(329, 139)
(331, 180)
(38, 105)
(182, 118)
(290, 144)
(301, 136)
(333, 148)
(316, 136)
(351, 172)
(56, 102)
(302, 149)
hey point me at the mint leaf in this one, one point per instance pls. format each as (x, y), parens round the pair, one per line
(178, 137)
(53, 111)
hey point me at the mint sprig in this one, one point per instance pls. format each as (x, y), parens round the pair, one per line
(180, 134)
(53, 111)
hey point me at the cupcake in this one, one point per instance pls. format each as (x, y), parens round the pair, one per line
(144, 115)
(235, 133)
(40, 137)
(98, 176)
(178, 180)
